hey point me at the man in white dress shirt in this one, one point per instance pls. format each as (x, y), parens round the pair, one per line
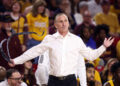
(64, 49)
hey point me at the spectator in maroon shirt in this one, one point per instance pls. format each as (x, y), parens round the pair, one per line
(87, 23)
(14, 46)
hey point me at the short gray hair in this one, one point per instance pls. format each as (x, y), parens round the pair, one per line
(60, 14)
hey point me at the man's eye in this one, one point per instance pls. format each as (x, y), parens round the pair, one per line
(65, 20)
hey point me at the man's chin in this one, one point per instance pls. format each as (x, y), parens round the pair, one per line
(18, 84)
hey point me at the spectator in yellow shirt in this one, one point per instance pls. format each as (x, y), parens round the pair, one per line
(37, 22)
(115, 8)
(19, 24)
(107, 18)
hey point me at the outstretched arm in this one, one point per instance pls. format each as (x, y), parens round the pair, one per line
(30, 54)
(91, 54)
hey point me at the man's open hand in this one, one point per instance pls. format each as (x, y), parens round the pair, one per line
(108, 42)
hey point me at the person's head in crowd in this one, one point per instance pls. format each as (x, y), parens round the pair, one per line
(13, 77)
(7, 3)
(87, 17)
(16, 7)
(105, 6)
(28, 67)
(90, 72)
(61, 23)
(7, 20)
(2, 73)
(53, 4)
(102, 31)
(39, 7)
(74, 6)
(85, 34)
(115, 69)
(29, 77)
(83, 6)
(65, 6)
(111, 62)
(107, 69)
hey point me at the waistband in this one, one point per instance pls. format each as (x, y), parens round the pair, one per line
(62, 77)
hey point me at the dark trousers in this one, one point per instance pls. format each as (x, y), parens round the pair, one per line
(69, 80)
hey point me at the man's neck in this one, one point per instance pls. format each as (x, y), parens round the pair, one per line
(63, 33)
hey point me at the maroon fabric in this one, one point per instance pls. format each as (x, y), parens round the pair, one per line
(78, 28)
(52, 29)
(14, 49)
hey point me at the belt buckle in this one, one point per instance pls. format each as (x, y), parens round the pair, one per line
(62, 78)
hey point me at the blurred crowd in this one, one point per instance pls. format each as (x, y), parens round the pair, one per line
(92, 20)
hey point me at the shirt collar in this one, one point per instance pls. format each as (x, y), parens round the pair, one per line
(57, 35)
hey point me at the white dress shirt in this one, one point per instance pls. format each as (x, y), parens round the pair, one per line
(5, 83)
(64, 53)
(82, 71)
(42, 72)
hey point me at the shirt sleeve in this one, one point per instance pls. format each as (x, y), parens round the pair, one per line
(32, 53)
(81, 72)
(91, 54)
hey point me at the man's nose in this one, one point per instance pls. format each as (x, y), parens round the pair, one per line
(63, 23)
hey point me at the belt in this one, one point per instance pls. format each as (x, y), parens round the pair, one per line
(62, 77)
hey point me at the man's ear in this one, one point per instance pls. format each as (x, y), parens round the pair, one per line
(55, 25)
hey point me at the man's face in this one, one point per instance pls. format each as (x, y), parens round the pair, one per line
(90, 74)
(62, 23)
(15, 79)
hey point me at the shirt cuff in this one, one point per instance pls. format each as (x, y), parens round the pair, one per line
(103, 47)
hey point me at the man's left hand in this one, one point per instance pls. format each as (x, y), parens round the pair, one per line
(108, 42)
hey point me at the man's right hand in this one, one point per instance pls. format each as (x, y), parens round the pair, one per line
(11, 63)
